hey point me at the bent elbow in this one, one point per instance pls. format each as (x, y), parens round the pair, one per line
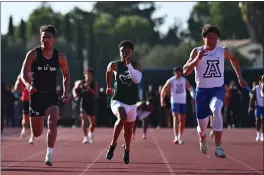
(184, 72)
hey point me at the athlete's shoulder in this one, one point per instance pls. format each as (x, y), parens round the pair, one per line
(114, 62)
(61, 55)
(112, 65)
(199, 47)
(32, 54)
(195, 51)
(34, 50)
(171, 79)
(223, 48)
(19, 77)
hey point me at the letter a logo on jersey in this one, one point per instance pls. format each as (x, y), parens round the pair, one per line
(212, 69)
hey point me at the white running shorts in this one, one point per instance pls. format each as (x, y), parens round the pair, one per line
(131, 110)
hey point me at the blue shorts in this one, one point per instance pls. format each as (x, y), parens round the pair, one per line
(179, 108)
(203, 98)
(259, 112)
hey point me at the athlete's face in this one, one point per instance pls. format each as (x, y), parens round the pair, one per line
(178, 74)
(125, 52)
(88, 76)
(210, 40)
(47, 40)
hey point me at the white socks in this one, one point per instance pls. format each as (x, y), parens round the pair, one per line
(90, 135)
(179, 136)
(89, 138)
(49, 150)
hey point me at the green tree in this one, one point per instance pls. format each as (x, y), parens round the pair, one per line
(133, 28)
(68, 31)
(131, 8)
(227, 17)
(161, 56)
(57, 22)
(200, 15)
(105, 40)
(41, 16)
(11, 30)
(22, 30)
(172, 37)
(253, 15)
(243, 61)
(80, 46)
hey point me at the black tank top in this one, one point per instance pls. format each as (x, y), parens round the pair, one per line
(44, 72)
(86, 95)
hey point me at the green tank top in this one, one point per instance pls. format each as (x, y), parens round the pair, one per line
(125, 90)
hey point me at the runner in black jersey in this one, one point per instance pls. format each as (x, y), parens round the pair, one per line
(43, 62)
(87, 91)
(125, 97)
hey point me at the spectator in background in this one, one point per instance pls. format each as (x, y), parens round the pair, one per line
(10, 106)
(165, 111)
(151, 97)
(3, 105)
(226, 102)
(25, 98)
(168, 112)
(76, 107)
(161, 122)
(235, 101)
(101, 108)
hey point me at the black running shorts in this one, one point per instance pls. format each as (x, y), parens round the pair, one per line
(25, 107)
(89, 109)
(40, 102)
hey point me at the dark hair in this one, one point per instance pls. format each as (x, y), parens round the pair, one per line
(210, 28)
(89, 69)
(48, 28)
(126, 43)
(178, 68)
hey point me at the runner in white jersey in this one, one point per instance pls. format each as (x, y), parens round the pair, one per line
(177, 86)
(258, 100)
(208, 63)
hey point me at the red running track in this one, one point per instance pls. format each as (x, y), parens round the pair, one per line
(156, 155)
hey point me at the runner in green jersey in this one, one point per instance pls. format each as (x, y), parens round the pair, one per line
(125, 96)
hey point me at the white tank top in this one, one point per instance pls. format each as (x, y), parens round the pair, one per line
(209, 72)
(259, 96)
(178, 90)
